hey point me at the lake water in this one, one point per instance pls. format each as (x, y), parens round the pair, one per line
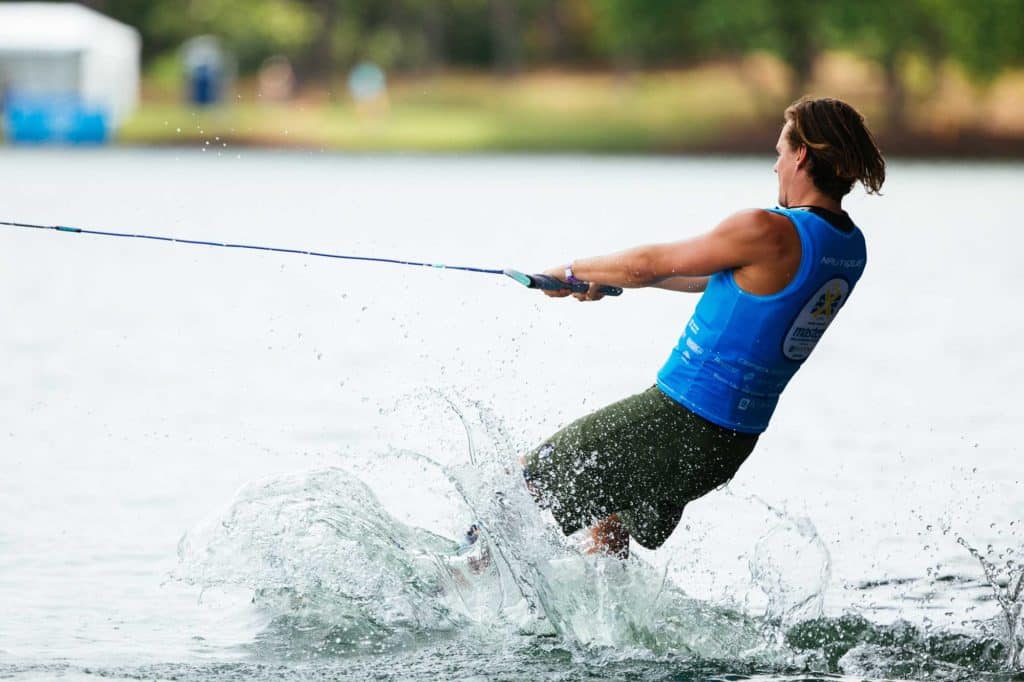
(321, 432)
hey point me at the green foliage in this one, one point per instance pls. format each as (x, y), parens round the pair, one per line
(885, 32)
(657, 32)
(252, 29)
(328, 35)
(985, 37)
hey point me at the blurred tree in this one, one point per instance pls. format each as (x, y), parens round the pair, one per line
(675, 31)
(798, 38)
(431, 16)
(252, 29)
(322, 37)
(576, 22)
(317, 59)
(890, 34)
(657, 34)
(985, 37)
(505, 35)
(467, 33)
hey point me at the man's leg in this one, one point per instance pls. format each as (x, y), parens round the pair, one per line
(599, 466)
(608, 536)
(627, 470)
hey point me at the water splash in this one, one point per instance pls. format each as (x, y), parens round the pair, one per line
(319, 552)
(853, 645)
(986, 649)
(590, 602)
(338, 571)
(737, 549)
(1005, 575)
(359, 559)
(791, 567)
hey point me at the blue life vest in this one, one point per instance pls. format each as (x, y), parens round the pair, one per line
(739, 350)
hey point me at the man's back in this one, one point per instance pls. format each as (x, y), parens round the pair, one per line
(739, 350)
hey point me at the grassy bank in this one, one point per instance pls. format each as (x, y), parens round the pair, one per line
(719, 107)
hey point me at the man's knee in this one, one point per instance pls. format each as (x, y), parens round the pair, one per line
(531, 471)
(650, 528)
(610, 536)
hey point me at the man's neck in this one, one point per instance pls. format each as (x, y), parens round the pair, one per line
(815, 199)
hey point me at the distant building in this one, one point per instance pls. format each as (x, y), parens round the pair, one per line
(67, 73)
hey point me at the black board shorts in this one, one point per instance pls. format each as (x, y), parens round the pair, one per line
(644, 458)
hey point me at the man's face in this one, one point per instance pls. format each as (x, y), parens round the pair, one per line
(785, 164)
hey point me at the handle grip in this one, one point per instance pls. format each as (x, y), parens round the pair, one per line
(550, 283)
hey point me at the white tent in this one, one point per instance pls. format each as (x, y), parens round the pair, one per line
(65, 49)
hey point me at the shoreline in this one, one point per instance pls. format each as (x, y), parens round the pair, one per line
(722, 109)
(966, 147)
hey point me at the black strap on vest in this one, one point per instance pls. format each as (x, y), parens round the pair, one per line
(840, 221)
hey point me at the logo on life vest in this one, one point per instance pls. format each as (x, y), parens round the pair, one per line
(814, 318)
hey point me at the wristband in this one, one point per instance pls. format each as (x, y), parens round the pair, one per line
(569, 276)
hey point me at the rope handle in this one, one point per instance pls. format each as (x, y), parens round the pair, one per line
(549, 283)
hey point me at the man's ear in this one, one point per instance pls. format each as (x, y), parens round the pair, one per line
(803, 159)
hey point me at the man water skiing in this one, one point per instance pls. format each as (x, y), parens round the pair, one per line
(772, 282)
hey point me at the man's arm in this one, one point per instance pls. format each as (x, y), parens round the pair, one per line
(745, 238)
(691, 285)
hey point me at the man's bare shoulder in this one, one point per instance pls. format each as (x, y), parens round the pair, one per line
(757, 224)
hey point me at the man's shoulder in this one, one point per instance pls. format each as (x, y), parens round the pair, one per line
(759, 223)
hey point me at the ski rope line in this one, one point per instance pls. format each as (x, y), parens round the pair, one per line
(252, 247)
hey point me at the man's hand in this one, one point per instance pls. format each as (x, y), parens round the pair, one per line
(594, 293)
(591, 294)
(559, 274)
